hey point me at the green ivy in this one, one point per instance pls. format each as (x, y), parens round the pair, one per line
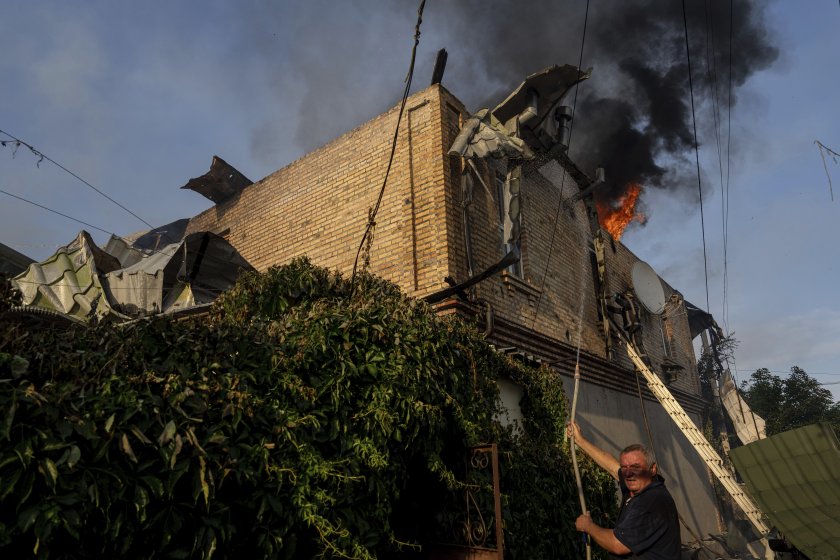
(296, 420)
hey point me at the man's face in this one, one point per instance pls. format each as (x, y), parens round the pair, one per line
(637, 473)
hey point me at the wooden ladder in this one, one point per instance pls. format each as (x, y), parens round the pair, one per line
(695, 437)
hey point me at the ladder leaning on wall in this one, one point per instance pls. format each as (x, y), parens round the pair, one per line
(699, 442)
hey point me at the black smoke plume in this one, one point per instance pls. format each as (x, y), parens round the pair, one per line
(633, 116)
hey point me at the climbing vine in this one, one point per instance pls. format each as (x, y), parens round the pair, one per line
(299, 419)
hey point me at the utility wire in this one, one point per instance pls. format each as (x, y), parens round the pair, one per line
(57, 212)
(712, 76)
(581, 498)
(787, 371)
(822, 147)
(206, 257)
(42, 157)
(563, 178)
(696, 156)
(725, 194)
(372, 216)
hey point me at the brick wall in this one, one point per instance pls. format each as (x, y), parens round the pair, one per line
(318, 205)
(620, 261)
(555, 293)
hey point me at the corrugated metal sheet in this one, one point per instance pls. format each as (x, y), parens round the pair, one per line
(550, 84)
(69, 281)
(81, 280)
(124, 252)
(749, 426)
(795, 478)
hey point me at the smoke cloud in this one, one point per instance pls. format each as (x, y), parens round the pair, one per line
(633, 116)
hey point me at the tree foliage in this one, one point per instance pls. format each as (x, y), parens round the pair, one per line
(790, 402)
(297, 420)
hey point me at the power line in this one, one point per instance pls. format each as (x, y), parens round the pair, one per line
(725, 194)
(148, 251)
(787, 371)
(59, 213)
(372, 216)
(697, 156)
(42, 157)
(712, 76)
(563, 178)
(834, 155)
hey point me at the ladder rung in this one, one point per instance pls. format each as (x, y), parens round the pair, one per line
(696, 438)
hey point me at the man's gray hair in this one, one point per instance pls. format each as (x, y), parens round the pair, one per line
(644, 451)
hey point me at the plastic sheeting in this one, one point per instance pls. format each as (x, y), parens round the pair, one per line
(795, 478)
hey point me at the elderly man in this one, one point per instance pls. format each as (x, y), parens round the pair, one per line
(648, 525)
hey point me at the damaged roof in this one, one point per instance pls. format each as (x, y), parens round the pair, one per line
(68, 282)
(220, 183)
(795, 480)
(519, 126)
(484, 136)
(550, 84)
(83, 281)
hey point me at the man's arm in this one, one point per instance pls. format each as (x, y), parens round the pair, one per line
(604, 459)
(603, 537)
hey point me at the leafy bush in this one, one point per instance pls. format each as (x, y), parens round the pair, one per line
(295, 420)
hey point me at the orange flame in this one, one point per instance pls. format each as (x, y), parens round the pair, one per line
(617, 216)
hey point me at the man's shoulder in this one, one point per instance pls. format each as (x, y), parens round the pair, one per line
(657, 492)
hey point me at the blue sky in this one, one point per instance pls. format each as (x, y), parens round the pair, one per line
(137, 97)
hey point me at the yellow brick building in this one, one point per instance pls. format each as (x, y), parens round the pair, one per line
(318, 206)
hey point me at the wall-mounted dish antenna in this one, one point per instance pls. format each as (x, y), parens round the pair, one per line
(648, 288)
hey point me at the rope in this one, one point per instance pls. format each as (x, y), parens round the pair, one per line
(573, 447)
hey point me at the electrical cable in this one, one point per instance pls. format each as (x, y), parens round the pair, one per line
(822, 147)
(711, 73)
(786, 372)
(725, 196)
(57, 212)
(696, 156)
(209, 258)
(372, 215)
(563, 177)
(42, 156)
(572, 445)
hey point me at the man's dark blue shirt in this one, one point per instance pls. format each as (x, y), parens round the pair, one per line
(648, 523)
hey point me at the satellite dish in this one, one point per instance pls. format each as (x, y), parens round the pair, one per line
(648, 288)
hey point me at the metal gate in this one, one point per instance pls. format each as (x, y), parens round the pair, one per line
(477, 530)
